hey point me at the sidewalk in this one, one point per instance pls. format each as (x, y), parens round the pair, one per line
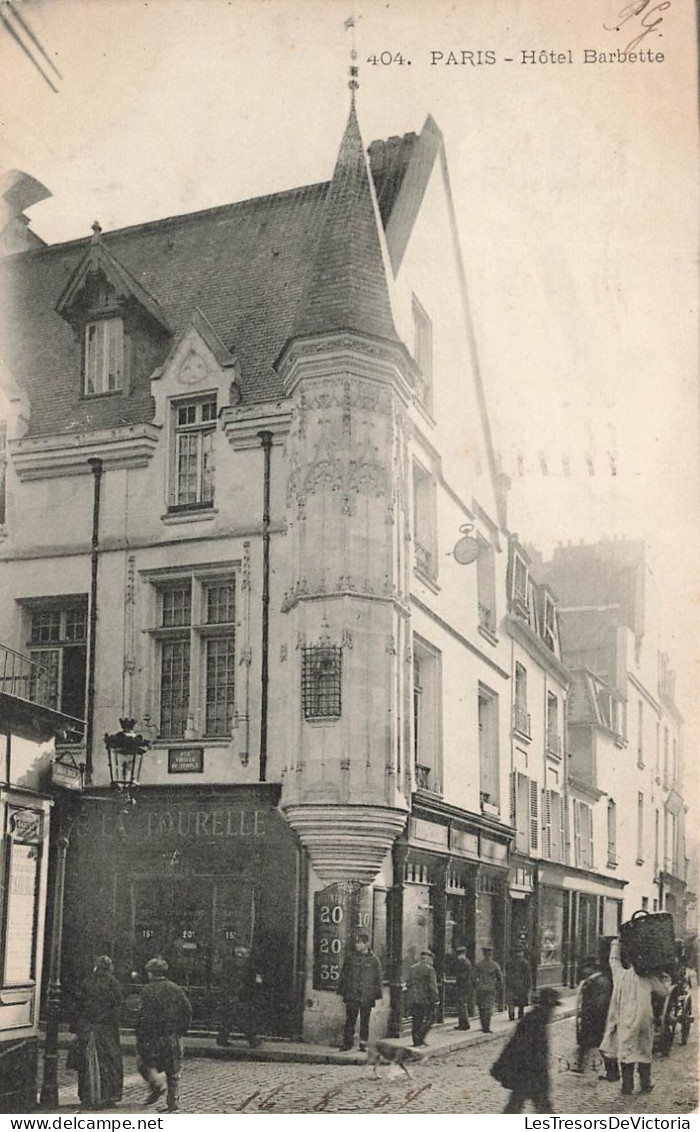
(443, 1039)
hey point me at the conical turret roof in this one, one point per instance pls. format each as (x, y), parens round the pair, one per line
(347, 286)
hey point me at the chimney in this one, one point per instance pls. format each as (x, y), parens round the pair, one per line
(18, 191)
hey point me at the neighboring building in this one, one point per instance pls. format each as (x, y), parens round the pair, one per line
(28, 730)
(245, 445)
(625, 729)
(562, 895)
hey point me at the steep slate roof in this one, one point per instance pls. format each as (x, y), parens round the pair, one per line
(347, 288)
(246, 266)
(243, 265)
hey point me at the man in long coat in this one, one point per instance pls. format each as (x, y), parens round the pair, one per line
(629, 1030)
(423, 996)
(518, 984)
(488, 985)
(464, 989)
(360, 986)
(165, 1016)
(523, 1066)
(241, 998)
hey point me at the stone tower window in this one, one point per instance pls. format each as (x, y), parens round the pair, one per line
(321, 681)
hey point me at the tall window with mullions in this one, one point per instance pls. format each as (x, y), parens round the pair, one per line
(193, 470)
(197, 657)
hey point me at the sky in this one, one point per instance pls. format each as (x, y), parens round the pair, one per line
(574, 186)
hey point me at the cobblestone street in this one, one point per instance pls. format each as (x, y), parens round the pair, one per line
(459, 1082)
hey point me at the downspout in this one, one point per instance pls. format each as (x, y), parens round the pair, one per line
(96, 467)
(266, 440)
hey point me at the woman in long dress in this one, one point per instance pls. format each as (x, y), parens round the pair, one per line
(100, 1067)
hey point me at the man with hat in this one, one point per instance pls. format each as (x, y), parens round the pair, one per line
(523, 1066)
(360, 986)
(488, 984)
(165, 1016)
(423, 996)
(464, 989)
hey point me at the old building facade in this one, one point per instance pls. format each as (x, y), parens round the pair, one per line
(235, 478)
(625, 728)
(251, 503)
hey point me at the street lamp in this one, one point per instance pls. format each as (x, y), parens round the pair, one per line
(125, 751)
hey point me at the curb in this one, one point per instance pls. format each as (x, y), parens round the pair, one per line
(297, 1053)
(388, 1047)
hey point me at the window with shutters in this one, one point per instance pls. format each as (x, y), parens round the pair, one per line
(195, 642)
(612, 834)
(583, 835)
(520, 809)
(557, 826)
(488, 747)
(547, 824)
(192, 474)
(665, 783)
(521, 583)
(534, 817)
(549, 629)
(656, 842)
(640, 828)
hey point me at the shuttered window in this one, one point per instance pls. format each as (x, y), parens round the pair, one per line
(547, 823)
(534, 816)
(557, 825)
(612, 833)
(583, 835)
(519, 809)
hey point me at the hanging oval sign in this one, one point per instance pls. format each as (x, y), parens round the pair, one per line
(467, 549)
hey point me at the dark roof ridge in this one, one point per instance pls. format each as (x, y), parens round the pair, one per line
(148, 225)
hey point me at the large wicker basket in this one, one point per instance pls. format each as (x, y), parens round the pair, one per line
(648, 942)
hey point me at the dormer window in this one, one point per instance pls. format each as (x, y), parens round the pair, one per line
(104, 357)
(549, 626)
(520, 581)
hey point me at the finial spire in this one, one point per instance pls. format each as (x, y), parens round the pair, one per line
(354, 83)
(96, 232)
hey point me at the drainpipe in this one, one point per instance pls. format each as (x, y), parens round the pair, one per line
(266, 441)
(96, 468)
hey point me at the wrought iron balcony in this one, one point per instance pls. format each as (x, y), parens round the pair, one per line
(553, 742)
(23, 678)
(486, 618)
(424, 559)
(521, 721)
(426, 778)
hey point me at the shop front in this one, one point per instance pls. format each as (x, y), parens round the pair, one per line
(189, 877)
(521, 904)
(453, 891)
(27, 817)
(574, 910)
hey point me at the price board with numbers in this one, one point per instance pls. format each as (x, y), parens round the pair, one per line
(340, 913)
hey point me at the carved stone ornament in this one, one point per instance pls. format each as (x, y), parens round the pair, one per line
(194, 369)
